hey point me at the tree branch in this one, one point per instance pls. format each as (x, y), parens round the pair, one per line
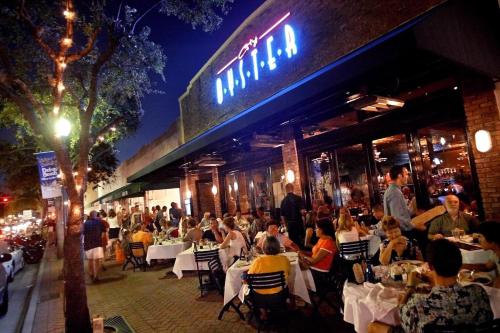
(36, 33)
(142, 16)
(83, 53)
(11, 83)
(86, 117)
(108, 127)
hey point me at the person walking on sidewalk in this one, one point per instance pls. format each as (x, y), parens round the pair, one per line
(93, 233)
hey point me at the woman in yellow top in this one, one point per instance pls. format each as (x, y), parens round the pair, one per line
(270, 262)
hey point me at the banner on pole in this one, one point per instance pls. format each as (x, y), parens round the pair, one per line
(48, 171)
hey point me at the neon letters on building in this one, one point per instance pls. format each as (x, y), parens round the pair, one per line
(256, 59)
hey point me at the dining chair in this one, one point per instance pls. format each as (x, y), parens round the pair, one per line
(218, 276)
(136, 259)
(352, 249)
(201, 257)
(274, 304)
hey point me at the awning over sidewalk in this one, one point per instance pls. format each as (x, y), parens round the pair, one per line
(135, 190)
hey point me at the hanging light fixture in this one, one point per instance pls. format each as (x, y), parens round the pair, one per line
(483, 141)
(214, 190)
(235, 186)
(290, 176)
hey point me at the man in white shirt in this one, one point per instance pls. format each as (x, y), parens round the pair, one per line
(273, 230)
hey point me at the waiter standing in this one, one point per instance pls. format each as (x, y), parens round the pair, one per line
(292, 208)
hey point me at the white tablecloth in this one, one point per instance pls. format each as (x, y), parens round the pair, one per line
(369, 302)
(168, 251)
(184, 261)
(298, 281)
(478, 256)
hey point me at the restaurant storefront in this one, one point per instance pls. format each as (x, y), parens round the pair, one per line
(328, 96)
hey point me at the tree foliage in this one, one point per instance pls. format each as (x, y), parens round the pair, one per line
(90, 62)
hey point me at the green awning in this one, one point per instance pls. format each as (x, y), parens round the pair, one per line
(127, 191)
(135, 190)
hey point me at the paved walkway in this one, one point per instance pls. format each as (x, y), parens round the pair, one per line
(49, 315)
(153, 302)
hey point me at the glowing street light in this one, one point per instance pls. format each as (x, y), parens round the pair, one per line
(63, 127)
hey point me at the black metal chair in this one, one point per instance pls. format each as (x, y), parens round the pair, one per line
(329, 283)
(137, 261)
(218, 276)
(492, 326)
(353, 249)
(274, 304)
(201, 257)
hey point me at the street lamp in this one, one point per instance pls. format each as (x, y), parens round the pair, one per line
(62, 127)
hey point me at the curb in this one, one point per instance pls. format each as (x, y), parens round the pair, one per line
(29, 318)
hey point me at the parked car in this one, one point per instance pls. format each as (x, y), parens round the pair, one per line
(4, 292)
(15, 264)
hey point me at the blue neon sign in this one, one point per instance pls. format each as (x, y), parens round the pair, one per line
(239, 73)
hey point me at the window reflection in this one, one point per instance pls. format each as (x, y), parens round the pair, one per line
(387, 152)
(320, 179)
(446, 164)
(353, 178)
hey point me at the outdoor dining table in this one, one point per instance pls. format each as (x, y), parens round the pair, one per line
(169, 249)
(472, 253)
(184, 261)
(298, 282)
(368, 302)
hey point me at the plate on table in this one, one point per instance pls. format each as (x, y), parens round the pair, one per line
(467, 276)
(405, 266)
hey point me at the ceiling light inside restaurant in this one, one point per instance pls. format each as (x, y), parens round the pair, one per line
(374, 103)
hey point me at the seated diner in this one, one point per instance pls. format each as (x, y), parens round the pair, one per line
(489, 239)
(270, 262)
(449, 303)
(193, 234)
(273, 230)
(396, 247)
(442, 226)
(321, 258)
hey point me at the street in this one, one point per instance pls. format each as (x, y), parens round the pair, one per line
(19, 292)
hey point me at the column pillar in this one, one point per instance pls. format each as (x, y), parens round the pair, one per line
(291, 160)
(217, 197)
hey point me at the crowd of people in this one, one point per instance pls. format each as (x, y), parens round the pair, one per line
(316, 236)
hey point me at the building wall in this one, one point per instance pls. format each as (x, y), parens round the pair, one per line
(483, 113)
(148, 153)
(325, 31)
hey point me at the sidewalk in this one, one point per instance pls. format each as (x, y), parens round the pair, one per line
(151, 302)
(45, 314)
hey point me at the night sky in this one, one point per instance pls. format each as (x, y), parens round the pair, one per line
(187, 51)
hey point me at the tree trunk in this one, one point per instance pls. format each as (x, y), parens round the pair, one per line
(76, 310)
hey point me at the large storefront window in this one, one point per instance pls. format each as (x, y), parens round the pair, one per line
(321, 179)
(278, 183)
(237, 194)
(353, 178)
(387, 152)
(260, 187)
(446, 164)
